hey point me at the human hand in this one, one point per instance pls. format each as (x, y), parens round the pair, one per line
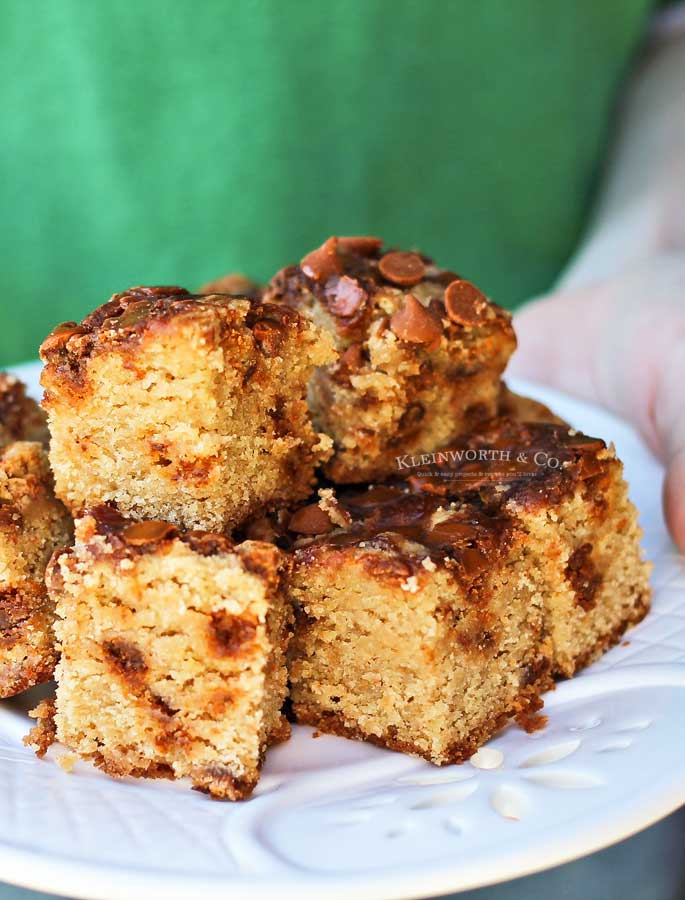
(620, 342)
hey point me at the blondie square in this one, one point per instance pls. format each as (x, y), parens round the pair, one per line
(172, 652)
(567, 492)
(583, 534)
(419, 622)
(21, 418)
(190, 409)
(421, 352)
(32, 524)
(433, 607)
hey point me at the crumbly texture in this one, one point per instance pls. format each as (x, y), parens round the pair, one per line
(421, 352)
(188, 409)
(420, 628)
(42, 735)
(172, 652)
(32, 525)
(21, 418)
(431, 608)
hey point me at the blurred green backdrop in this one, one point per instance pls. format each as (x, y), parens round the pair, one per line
(156, 142)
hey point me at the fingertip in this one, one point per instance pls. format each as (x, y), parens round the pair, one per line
(674, 499)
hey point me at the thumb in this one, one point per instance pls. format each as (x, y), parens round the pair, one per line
(674, 497)
(558, 337)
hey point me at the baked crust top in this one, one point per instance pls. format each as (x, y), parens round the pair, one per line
(459, 506)
(350, 276)
(130, 315)
(107, 535)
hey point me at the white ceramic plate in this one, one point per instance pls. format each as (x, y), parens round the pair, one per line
(338, 819)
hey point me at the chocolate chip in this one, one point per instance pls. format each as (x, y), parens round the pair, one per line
(346, 297)
(464, 303)
(359, 246)
(402, 268)
(412, 322)
(147, 532)
(60, 336)
(323, 262)
(310, 520)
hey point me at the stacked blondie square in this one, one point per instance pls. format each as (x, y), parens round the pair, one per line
(320, 490)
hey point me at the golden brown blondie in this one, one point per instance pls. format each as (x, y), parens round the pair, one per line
(568, 492)
(431, 608)
(419, 622)
(421, 352)
(190, 409)
(172, 652)
(32, 524)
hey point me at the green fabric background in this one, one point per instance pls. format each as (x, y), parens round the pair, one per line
(169, 142)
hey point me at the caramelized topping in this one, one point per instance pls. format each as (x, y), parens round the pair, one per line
(454, 505)
(358, 285)
(405, 269)
(269, 335)
(414, 323)
(60, 336)
(143, 535)
(134, 313)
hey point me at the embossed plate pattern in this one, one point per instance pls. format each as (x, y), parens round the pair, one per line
(341, 819)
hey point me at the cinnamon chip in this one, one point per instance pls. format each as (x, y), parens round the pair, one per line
(323, 262)
(464, 303)
(310, 520)
(405, 269)
(353, 357)
(362, 246)
(346, 297)
(147, 532)
(412, 322)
